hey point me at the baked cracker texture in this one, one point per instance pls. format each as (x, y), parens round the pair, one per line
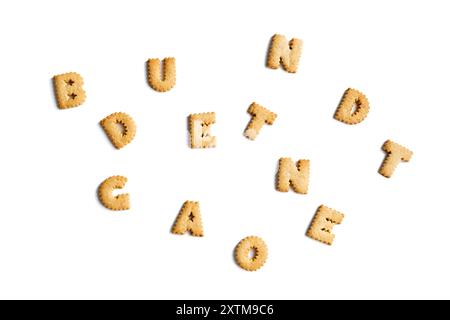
(245, 247)
(200, 130)
(120, 129)
(322, 224)
(285, 53)
(260, 116)
(106, 197)
(293, 175)
(189, 220)
(69, 91)
(395, 154)
(161, 81)
(353, 107)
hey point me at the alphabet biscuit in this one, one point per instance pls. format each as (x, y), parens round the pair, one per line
(161, 81)
(246, 247)
(200, 130)
(395, 154)
(120, 129)
(189, 220)
(290, 174)
(353, 108)
(323, 223)
(119, 202)
(260, 116)
(69, 91)
(284, 52)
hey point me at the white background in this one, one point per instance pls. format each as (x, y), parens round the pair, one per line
(57, 241)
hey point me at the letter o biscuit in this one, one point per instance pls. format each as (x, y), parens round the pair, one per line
(243, 250)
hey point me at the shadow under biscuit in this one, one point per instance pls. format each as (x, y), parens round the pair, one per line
(269, 44)
(53, 89)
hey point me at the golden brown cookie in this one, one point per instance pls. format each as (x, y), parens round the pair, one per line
(106, 197)
(293, 175)
(161, 81)
(251, 253)
(69, 90)
(288, 53)
(260, 116)
(189, 219)
(120, 129)
(353, 108)
(395, 154)
(323, 223)
(200, 130)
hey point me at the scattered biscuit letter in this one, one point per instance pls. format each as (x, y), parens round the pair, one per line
(69, 90)
(395, 154)
(105, 194)
(293, 175)
(120, 129)
(189, 219)
(260, 116)
(323, 223)
(251, 253)
(200, 130)
(353, 108)
(288, 53)
(161, 81)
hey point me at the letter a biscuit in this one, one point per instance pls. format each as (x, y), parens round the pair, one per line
(189, 219)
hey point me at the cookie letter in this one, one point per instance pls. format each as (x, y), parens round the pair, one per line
(119, 202)
(323, 223)
(395, 153)
(199, 128)
(189, 219)
(69, 90)
(353, 107)
(291, 175)
(161, 81)
(120, 129)
(251, 253)
(288, 53)
(260, 116)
